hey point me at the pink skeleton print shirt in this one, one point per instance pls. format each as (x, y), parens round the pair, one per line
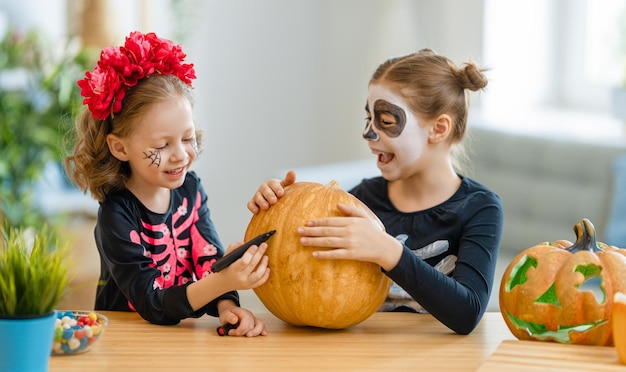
(147, 259)
(171, 249)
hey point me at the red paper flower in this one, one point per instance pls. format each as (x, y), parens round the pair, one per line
(122, 67)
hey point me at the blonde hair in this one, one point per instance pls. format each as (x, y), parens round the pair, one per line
(91, 166)
(433, 85)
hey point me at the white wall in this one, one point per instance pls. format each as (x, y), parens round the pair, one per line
(282, 83)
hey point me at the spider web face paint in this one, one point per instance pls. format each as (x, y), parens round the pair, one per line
(154, 156)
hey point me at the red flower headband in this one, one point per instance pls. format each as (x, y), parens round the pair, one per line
(120, 68)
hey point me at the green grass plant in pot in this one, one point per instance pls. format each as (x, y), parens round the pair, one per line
(34, 274)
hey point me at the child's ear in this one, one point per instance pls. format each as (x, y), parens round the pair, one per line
(117, 147)
(440, 129)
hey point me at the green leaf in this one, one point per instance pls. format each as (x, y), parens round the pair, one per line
(34, 271)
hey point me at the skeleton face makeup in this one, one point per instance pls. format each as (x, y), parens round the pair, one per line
(388, 118)
(394, 133)
(370, 134)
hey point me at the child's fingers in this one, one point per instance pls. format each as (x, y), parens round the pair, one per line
(259, 329)
(255, 255)
(289, 179)
(231, 247)
(263, 276)
(269, 193)
(253, 206)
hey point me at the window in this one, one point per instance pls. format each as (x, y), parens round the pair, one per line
(605, 42)
(555, 56)
(595, 53)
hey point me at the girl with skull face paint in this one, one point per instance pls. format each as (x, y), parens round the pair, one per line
(136, 142)
(443, 229)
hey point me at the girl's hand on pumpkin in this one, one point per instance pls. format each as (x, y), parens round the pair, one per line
(355, 236)
(251, 270)
(269, 192)
(249, 325)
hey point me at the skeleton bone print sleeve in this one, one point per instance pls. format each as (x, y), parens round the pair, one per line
(450, 250)
(147, 259)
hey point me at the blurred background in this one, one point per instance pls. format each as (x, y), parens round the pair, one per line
(282, 83)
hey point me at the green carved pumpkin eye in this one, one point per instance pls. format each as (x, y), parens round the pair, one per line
(518, 274)
(549, 297)
(593, 281)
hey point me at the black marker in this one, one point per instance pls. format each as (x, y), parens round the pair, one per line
(224, 328)
(233, 256)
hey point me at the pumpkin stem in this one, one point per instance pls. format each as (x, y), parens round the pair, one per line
(585, 237)
(333, 184)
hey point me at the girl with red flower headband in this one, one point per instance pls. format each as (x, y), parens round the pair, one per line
(136, 141)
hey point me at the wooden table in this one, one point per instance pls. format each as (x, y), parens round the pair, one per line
(522, 356)
(384, 342)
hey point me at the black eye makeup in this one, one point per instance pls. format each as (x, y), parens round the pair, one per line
(369, 133)
(389, 118)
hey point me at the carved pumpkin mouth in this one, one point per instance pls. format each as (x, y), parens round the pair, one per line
(562, 334)
(592, 281)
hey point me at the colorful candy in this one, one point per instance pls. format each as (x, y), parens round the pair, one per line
(75, 331)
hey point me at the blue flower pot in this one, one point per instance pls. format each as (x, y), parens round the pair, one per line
(26, 342)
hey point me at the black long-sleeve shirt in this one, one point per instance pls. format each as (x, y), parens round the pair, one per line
(450, 251)
(147, 259)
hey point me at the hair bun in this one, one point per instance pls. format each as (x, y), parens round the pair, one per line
(472, 78)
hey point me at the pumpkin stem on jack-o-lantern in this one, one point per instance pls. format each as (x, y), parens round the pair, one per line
(585, 237)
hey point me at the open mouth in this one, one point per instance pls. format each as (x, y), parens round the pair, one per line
(385, 157)
(176, 171)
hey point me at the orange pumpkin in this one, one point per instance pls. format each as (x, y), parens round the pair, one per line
(563, 292)
(619, 325)
(305, 291)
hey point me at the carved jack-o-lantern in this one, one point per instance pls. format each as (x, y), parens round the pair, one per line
(563, 292)
(305, 291)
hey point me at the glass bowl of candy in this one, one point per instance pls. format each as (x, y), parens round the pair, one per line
(76, 331)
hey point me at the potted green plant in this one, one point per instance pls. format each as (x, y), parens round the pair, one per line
(34, 274)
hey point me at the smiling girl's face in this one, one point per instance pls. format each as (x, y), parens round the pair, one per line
(161, 147)
(394, 134)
